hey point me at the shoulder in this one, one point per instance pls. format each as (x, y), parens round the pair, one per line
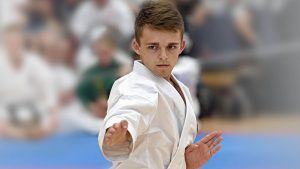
(135, 93)
(133, 84)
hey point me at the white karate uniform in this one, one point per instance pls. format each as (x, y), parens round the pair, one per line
(32, 82)
(160, 123)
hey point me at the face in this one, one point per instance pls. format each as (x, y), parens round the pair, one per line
(14, 43)
(44, 7)
(104, 51)
(159, 50)
(51, 45)
(66, 51)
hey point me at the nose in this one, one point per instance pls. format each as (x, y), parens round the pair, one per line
(163, 54)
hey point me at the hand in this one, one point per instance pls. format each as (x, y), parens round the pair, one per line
(117, 134)
(196, 155)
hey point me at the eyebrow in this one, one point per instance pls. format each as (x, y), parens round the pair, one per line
(153, 43)
(156, 43)
(174, 43)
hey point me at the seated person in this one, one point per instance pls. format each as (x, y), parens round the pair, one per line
(96, 82)
(27, 99)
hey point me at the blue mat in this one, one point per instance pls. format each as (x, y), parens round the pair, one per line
(81, 151)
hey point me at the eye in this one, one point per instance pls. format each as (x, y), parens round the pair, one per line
(152, 47)
(172, 47)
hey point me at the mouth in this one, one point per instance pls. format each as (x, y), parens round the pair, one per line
(163, 65)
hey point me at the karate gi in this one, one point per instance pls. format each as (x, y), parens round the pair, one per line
(31, 83)
(160, 123)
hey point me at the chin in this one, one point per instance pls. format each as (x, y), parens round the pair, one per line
(165, 75)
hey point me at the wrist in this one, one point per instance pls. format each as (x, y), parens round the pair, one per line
(190, 168)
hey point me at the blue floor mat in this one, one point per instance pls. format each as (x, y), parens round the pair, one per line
(240, 151)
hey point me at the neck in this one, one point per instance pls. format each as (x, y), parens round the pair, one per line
(168, 79)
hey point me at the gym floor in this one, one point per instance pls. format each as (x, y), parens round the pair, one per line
(262, 142)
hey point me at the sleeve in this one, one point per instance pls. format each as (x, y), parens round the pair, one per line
(138, 111)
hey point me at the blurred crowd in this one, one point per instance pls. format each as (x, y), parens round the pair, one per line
(60, 58)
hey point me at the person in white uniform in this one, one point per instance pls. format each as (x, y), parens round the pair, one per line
(150, 121)
(28, 108)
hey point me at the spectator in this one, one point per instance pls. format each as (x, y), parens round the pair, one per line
(95, 84)
(65, 8)
(217, 34)
(27, 99)
(264, 14)
(114, 14)
(41, 15)
(85, 57)
(73, 116)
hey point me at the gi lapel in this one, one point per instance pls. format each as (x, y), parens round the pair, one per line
(187, 135)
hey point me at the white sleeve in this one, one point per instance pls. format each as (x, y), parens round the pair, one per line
(139, 112)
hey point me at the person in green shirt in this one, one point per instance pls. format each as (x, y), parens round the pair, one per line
(96, 82)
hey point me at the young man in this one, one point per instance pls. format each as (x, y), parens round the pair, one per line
(150, 121)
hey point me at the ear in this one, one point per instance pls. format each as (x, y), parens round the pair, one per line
(182, 46)
(135, 46)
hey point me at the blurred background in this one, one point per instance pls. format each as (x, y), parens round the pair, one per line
(59, 59)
